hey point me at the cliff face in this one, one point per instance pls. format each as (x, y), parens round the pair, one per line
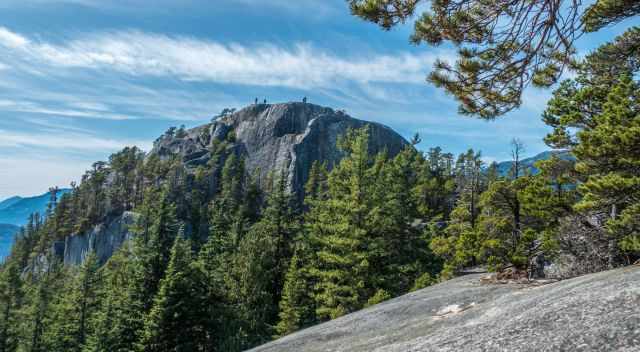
(596, 312)
(271, 138)
(104, 240)
(278, 137)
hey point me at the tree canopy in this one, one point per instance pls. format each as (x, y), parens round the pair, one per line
(502, 46)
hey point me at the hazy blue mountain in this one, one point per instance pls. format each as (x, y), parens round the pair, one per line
(7, 233)
(16, 210)
(528, 164)
(9, 202)
(14, 213)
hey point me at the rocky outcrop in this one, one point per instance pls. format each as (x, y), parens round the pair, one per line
(596, 312)
(271, 138)
(585, 247)
(103, 239)
(41, 263)
(277, 137)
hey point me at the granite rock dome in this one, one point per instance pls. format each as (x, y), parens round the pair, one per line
(278, 137)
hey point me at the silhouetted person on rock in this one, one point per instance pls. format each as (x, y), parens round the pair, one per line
(256, 102)
(304, 100)
(265, 101)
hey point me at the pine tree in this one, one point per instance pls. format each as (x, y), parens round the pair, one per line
(25, 242)
(87, 293)
(398, 220)
(11, 296)
(177, 320)
(74, 307)
(63, 217)
(435, 185)
(316, 187)
(280, 223)
(493, 174)
(119, 322)
(228, 256)
(458, 243)
(297, 306)
(255, 274)
(125, 171)
(222, 322)
(157, 231)
(549, 197)
(501, 224)
(198, 214)
(608, 154)
(227, 217)
(45, 285)
(249, 280)
(595, 116)
(340, 232)
(504, 237)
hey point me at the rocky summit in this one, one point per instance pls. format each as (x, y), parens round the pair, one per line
(271, 138)
(596, 312)
(285, 137)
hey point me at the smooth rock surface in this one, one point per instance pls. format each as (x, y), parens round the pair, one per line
(104, 240)
(596, 312)
(277, 137)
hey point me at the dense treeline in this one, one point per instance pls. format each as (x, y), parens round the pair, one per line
(220, 263)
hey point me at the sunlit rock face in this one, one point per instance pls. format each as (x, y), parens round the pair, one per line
(277, 137)
(596, 312)
(270, 138)
(104, 240)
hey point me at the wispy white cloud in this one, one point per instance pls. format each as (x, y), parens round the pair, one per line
(90, 106)
(190, 59)
(11, 39)
(67, 141)
(79, 111)
(59, 125)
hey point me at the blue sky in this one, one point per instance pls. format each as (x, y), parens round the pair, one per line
(80, 79)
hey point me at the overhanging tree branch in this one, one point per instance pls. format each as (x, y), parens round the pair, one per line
(503, 45)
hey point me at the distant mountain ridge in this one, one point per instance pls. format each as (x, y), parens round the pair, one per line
(7, 234)
(505, 167)
(16, 210)
(9, 202)
(14, 213)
